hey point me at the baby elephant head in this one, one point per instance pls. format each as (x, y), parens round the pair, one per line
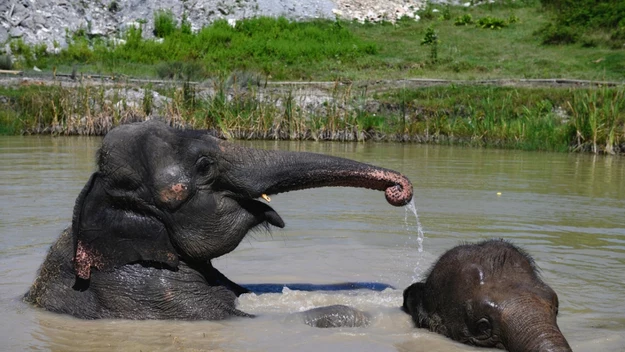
(488, 294)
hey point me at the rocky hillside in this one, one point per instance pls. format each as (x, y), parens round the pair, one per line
(49, 21)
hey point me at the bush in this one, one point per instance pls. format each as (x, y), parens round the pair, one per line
(605, 14)
(558, 34)
(113, 6)
(185, 25)
(491, 23)
(574, 18)
(464, 20)
(23, 52)
(431, 38)
(426, 13)
(5, 62)
(164, 23)
(180, 70)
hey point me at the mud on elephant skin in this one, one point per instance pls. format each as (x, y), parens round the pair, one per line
(488, 294)
(162, 204)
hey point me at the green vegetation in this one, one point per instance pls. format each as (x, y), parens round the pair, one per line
(592, 22)
(431, 39)
(523, 118)
(5, 62)
(504, 39)
(164, 23)
(279, 49)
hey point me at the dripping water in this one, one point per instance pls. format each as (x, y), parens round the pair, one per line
(417, 229)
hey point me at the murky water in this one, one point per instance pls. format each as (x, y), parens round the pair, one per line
(568, 211)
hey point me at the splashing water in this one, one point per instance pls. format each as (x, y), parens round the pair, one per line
(411, 208)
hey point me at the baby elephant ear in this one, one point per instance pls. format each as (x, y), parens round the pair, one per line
(110, 230)
(413, 303)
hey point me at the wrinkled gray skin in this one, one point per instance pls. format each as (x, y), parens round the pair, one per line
(162, 204)
(488, 294)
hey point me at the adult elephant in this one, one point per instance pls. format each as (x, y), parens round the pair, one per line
(162, 204)
(488, 294)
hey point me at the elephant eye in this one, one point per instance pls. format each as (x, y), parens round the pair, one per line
(483, 326)
(204, 164)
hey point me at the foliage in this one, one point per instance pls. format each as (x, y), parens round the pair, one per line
(554, 34)
(164, 23)
(6, 63)
(259, 43)
(114, 6)
(598, 119)
(427, 12)
(576, 18)
(339, 50)
(21, 49)
(588, 13)
(464, 20)
(446, 13)
(590, 120)
(491, 23)
(185, 25)
(431, 38)
(179, 70)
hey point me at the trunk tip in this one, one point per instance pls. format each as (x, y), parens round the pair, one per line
(400, 193)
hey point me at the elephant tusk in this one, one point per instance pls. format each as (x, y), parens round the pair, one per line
(266, 197)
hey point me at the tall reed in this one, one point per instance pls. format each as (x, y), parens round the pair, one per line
(521, 118)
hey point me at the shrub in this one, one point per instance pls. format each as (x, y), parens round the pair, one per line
(164, 23)
(185, 25)
(513, 19)
(180, 70)
(464, 20)
(491, 23)
(574, 18)
(23, 51)
(431, 38)
(426, 13)
(587, 13)
(446, 15)
(113, 6)
(5, 62)
(558, 34)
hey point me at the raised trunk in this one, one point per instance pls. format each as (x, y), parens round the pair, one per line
(257, 172)
(534, 331)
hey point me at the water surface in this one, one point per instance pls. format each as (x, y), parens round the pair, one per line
(566, 210)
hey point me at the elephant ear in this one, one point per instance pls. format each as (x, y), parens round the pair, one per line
(111, 229)
(413, 304)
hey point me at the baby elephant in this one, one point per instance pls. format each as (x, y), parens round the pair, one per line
(488, 294)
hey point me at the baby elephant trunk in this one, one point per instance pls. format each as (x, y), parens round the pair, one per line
(535, 332)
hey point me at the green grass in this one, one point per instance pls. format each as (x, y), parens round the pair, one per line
(328, 50)
(496, 40)
(545, 119)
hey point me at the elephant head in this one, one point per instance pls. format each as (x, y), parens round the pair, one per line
(488, 294)
(162, 195)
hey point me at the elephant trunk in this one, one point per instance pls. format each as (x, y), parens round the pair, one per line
(258, 172)
(535, 331)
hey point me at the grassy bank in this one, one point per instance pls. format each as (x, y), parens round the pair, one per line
(503, 39)
(548, 119)
(497, 40)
